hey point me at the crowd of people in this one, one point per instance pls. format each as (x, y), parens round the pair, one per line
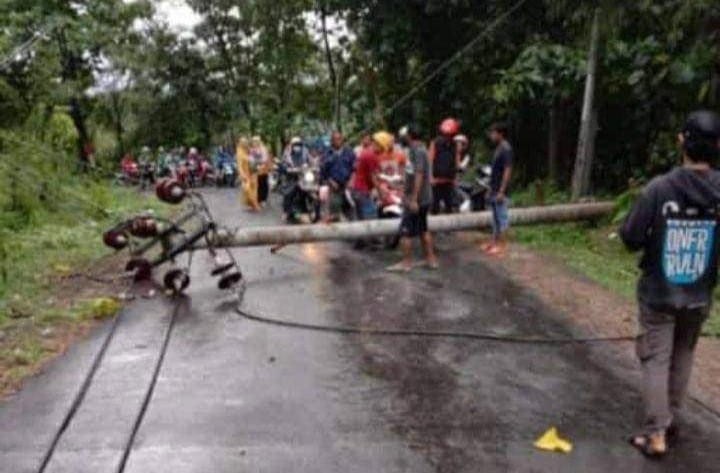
(419, 176)
(412, 174)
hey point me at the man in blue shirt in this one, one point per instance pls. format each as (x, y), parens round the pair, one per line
(335, 171)
(500, 188)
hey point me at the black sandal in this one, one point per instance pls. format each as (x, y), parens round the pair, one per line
(649, 445)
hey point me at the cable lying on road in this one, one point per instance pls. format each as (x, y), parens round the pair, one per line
(493, 337)
(487, 336)
(88, 380)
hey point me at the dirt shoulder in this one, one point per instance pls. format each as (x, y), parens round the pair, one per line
(601, 312)
(29, 344)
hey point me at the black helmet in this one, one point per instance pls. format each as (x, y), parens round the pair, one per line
(701, 134)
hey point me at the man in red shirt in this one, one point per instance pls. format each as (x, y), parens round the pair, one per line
(365, 177)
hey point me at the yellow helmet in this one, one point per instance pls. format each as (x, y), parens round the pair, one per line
(384, 140)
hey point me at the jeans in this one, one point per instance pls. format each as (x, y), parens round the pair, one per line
(366, 209)
(501, 219)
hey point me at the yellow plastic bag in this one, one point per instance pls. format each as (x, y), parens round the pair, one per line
(550, 441)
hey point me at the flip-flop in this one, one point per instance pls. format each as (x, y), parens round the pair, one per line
(649, 447)
(399, 268)
(427, 265)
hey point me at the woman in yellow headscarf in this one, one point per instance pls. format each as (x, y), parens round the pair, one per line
(248, 178)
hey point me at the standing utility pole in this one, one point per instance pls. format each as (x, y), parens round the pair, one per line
(331, 64)
(586, 141)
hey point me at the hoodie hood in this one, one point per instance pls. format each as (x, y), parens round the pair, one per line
(698, 188)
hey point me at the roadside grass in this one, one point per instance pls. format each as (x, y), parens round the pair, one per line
(596, 251)
(35, 256)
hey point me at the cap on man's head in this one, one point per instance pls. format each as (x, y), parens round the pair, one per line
(701, 135)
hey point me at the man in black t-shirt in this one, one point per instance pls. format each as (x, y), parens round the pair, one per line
(500, 189)
(674, 222)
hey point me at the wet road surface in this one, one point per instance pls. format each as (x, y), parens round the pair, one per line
(236, 395)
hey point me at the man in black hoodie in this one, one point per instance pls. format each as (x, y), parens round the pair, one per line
(675, 223)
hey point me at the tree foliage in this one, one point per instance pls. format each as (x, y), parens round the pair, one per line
(285, 67)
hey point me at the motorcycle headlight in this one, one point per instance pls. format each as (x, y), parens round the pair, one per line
(309, 177)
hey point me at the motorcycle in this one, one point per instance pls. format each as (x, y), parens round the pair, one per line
(194, 172)
(146, 175)
(129, 172)
(226, 174)
(390, 203)
(304, 189)
(473, 195)
(165, 167)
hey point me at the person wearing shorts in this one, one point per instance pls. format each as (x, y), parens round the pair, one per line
(418, 198)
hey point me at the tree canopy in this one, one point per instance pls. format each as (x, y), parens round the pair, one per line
(280, 68)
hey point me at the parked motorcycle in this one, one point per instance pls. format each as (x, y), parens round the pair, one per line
(146, 175)
(473, 195)
(390, 203)
(129, 171)
(226, 173)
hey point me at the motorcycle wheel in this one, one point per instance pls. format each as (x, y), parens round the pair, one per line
(313, 209)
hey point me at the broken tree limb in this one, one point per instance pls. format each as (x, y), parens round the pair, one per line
(287, 234)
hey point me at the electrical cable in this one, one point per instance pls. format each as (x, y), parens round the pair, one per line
(151, 388)
(153, 380)
(80, 395)
(492, 337)
(486, 336)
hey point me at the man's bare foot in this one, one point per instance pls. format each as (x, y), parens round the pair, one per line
(486, 246)
(496, 251)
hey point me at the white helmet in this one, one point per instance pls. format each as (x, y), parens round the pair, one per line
(193, 151)
(295, 140)
(461, 139)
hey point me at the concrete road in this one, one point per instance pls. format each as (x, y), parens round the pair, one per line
(235, 395)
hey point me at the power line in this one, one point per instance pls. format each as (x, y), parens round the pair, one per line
(458, 54)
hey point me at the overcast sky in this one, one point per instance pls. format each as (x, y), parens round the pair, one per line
(177, 13)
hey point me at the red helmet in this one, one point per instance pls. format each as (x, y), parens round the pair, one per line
(449, 127)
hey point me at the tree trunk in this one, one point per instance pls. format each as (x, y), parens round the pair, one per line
(117, 123)
(586, 141)
(83, 139)
(554, 141)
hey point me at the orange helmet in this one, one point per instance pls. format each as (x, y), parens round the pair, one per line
(449, 127)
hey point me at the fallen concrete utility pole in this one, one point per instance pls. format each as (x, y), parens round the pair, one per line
(287, 234)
